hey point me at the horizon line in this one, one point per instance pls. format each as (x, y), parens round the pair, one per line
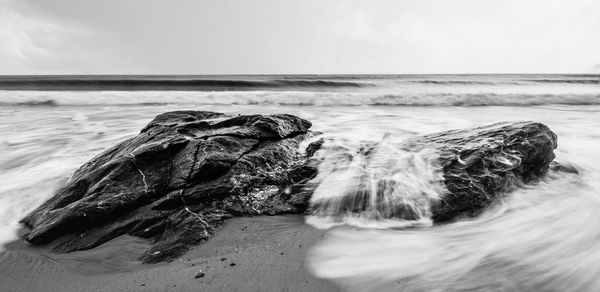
(288, 74)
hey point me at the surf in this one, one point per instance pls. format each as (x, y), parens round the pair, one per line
(290, 98)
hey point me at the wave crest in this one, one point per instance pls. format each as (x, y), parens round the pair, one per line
(288, 98)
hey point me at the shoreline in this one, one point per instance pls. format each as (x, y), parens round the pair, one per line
(263, 253)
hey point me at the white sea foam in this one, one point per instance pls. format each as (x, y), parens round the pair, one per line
(544, 238)
(374, 184)
(398, 97)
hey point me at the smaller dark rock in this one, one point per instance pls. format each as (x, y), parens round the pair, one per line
(200, 274)
(232, 264)
(223, 259)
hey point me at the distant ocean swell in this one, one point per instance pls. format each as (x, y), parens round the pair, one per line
(589, 80)
(172, 84)
(292, 98)
(278, 83)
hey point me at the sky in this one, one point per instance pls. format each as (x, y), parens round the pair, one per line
(299, 36)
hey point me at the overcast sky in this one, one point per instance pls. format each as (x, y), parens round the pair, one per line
(298, 36)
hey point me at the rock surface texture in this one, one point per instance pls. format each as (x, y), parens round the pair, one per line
(482, 163)
(437, 177)
(183, 175)
(188, 171)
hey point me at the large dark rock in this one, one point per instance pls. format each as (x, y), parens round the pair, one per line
(177, 180)
(465, 173)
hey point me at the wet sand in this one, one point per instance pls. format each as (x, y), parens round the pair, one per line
(264, 253)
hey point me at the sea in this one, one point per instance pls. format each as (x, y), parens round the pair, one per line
(544, 236)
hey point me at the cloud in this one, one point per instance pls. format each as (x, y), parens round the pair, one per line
(37, 43)
(298, 36)
(20, 34)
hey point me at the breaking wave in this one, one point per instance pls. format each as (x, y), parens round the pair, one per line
(293, 98)
(487, 99)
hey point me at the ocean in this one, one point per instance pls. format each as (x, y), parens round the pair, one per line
(541, 237)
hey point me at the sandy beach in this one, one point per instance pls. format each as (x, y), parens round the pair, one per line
(265, 253)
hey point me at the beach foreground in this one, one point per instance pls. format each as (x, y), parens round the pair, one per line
(265, 253)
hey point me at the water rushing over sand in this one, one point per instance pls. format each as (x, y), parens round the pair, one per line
(542, 237)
